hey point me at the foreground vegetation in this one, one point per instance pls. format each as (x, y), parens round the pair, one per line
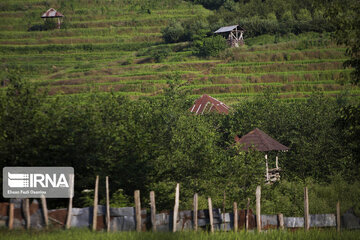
(75, 234)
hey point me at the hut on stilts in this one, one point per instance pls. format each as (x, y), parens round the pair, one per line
(234, 34)
(262, 142)
(52, 13)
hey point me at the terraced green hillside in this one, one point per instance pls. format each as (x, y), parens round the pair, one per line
(109, 45)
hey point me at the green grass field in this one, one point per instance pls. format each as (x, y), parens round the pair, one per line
(87, 234)
(107, 45)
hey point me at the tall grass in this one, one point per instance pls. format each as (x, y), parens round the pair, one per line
(75, 234)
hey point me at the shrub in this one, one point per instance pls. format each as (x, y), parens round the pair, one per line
(256, 26)
(304, 15)
(287, 16)
(211, 46)
(195, 30)
(87, 198)
(118, 200)
(128, 61)
(210, 4)
(160, 54)
(185, 31)
(173, 33)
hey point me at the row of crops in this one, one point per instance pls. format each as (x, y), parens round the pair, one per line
(112, 46)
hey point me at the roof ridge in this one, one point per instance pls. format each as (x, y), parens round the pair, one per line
(218, 101)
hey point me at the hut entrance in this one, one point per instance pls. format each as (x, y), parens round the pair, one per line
(234, 34)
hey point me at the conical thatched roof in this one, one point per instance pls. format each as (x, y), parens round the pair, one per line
(259, 141)
(52, 13)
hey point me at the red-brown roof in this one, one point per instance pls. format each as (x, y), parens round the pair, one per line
(206, 104)
(52, 13)
(260, 141)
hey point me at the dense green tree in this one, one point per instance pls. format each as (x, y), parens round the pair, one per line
(153, 143)
(308, 128)
(211, 4)
(349, 128)
(20, 119)
(211, 46)
(304, 15)
(173, 33)
(345, 16)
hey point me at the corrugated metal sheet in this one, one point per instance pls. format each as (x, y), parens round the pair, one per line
(226, 29)
(123, 219)
(260, 141)
(206, 104)
(52, 13)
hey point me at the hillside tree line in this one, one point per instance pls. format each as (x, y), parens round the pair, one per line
(153, 143)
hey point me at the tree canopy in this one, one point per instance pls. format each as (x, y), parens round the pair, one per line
(151, 143)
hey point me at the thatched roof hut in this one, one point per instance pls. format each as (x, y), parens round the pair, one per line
(52, 13)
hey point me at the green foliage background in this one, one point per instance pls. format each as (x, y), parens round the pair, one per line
(153, 143)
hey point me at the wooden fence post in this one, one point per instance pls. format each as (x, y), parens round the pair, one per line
(281, 221)
(247, 215)
(153, 210)
(338, 223)
(224, 210)
(211, 217)
(26, 208)
(235, 217)
(267, 169)
(137, 210)
(69, 213)
(11, 216)
(95, 203)
(45, 211)
(107, 205)
(176, 207)
(258, 208)
(195, 212)
(306, 209)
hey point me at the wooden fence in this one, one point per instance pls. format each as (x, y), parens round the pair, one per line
(104, 217)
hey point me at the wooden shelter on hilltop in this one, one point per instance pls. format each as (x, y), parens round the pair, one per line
(207, 104)
(262, 142)
(233, 34)
(52, 13)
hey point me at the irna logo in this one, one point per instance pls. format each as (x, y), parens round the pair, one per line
(34, 182)
(19, 180)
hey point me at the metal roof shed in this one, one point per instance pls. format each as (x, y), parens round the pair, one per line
(233, 34)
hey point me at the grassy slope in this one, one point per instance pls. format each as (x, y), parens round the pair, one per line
(105, 46)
